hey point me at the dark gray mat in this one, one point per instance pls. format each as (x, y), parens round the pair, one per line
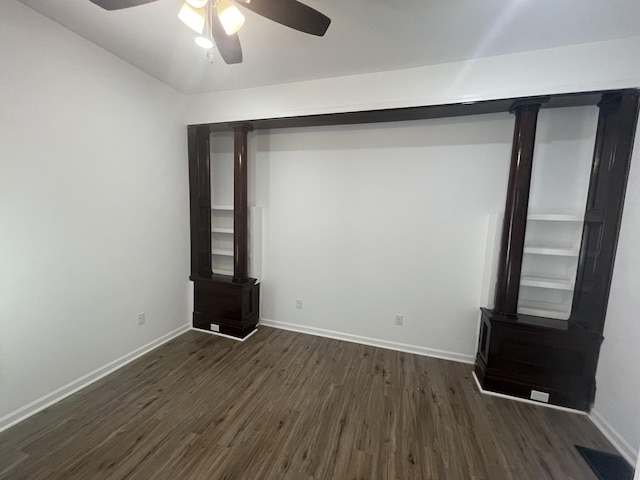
(606, 466)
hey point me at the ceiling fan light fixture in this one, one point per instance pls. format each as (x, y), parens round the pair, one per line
(203, 42)
(230, 17)
(197, 3)
(192, 18)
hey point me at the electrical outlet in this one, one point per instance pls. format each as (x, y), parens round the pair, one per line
(299, 304)
(399, 319)
(141, 319)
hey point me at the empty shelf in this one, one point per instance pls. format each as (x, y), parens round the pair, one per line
(542, 282)
(222, 230)
(554, 217)
(543, 309)
(548, 250)
(221, 271)
(221, 251)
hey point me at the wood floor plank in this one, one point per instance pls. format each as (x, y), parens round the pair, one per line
(284, 405)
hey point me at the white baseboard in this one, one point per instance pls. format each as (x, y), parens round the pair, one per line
(218, 334)
(61, 393)
(374, 342)
(626, 450)
(524, 400)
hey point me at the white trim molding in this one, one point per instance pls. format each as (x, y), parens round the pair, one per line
(626, 450)
(70, 388)
(524, 400)
(224, 335)
(374, 342)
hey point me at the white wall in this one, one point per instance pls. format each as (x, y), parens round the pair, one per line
(365, 222)
(562, 160)
(93, 210)
(222, 168)
(586, 67)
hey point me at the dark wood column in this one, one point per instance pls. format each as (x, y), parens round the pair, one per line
(515, 212)
(603, 214)
(200, 200)
(240, 206)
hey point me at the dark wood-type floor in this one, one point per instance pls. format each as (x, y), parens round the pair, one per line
(284, 405)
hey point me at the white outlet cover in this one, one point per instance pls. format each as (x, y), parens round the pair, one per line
(215, 328)
(539, 396)
(298, 303)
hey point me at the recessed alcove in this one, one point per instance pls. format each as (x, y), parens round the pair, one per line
(415, 250)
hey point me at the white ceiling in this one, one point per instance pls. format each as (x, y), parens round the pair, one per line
(364, 36)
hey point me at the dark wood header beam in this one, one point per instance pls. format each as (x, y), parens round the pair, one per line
(515, 213)
(413, 113)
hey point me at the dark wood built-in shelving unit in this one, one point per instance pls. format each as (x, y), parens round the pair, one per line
(222, 303)
(516, 353)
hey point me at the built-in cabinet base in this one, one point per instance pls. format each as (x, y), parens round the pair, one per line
(225, 306)
(554, 357)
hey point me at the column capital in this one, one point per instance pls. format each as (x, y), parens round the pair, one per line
(528, 105)
(241, 127)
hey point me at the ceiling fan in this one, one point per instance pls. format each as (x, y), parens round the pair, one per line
(218, 21)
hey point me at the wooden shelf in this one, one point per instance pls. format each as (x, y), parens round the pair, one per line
(222, 251)
(222, 207)
(221, 230)
(542, 282)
